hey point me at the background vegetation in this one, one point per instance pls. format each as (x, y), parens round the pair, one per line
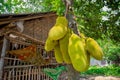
(98, 19)
(111, 70)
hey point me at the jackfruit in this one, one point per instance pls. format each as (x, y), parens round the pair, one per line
(50, 44)
(82, 36)
(88, 61)
(59, 30)
(83, 39)
(64, 47)
(94, 49)
(58, 54)
(77, 53)
(61, 20)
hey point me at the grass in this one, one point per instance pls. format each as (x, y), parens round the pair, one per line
(110, 70)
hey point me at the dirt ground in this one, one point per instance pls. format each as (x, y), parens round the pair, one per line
(103, 78)
(64, 77)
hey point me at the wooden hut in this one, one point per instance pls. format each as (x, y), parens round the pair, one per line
(18, 31)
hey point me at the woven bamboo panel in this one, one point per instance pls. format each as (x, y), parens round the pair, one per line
(16, 69)
(39, 28)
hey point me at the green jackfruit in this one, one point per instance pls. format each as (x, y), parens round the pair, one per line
(50, 44)
(83, 39)
(61, 20)
(77, 53)
(94, 49)
(82, 35)
(88, 61)
(59, 30)
(64, 47)
(58, 54)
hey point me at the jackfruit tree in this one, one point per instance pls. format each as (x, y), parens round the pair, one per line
(95, 18)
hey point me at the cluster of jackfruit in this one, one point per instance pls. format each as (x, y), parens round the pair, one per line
(70, 48)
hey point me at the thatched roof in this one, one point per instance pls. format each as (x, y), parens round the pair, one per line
(7, 18)
(36, 25)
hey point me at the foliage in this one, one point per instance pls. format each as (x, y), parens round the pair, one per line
(89, 14)
(114, 54)
(89, 17)
(19, 6)
(105, 71)
(111, 50)
(53, 5)
(111, 25)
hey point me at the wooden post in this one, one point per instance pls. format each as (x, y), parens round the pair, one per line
(2, 57)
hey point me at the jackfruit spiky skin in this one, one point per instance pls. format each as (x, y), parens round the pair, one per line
(59, 30)
(88, 61)
(50, 44)
(77, 53)
(82, 35)
(64, 47)
(58, 54)
(94, 49)
(61, 20)
(86, 52)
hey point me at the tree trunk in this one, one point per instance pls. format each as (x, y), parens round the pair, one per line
(72, 73)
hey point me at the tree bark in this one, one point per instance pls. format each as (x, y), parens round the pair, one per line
(2, 57)
(72, 73)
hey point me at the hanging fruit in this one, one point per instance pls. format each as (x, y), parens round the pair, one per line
(71, 48)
